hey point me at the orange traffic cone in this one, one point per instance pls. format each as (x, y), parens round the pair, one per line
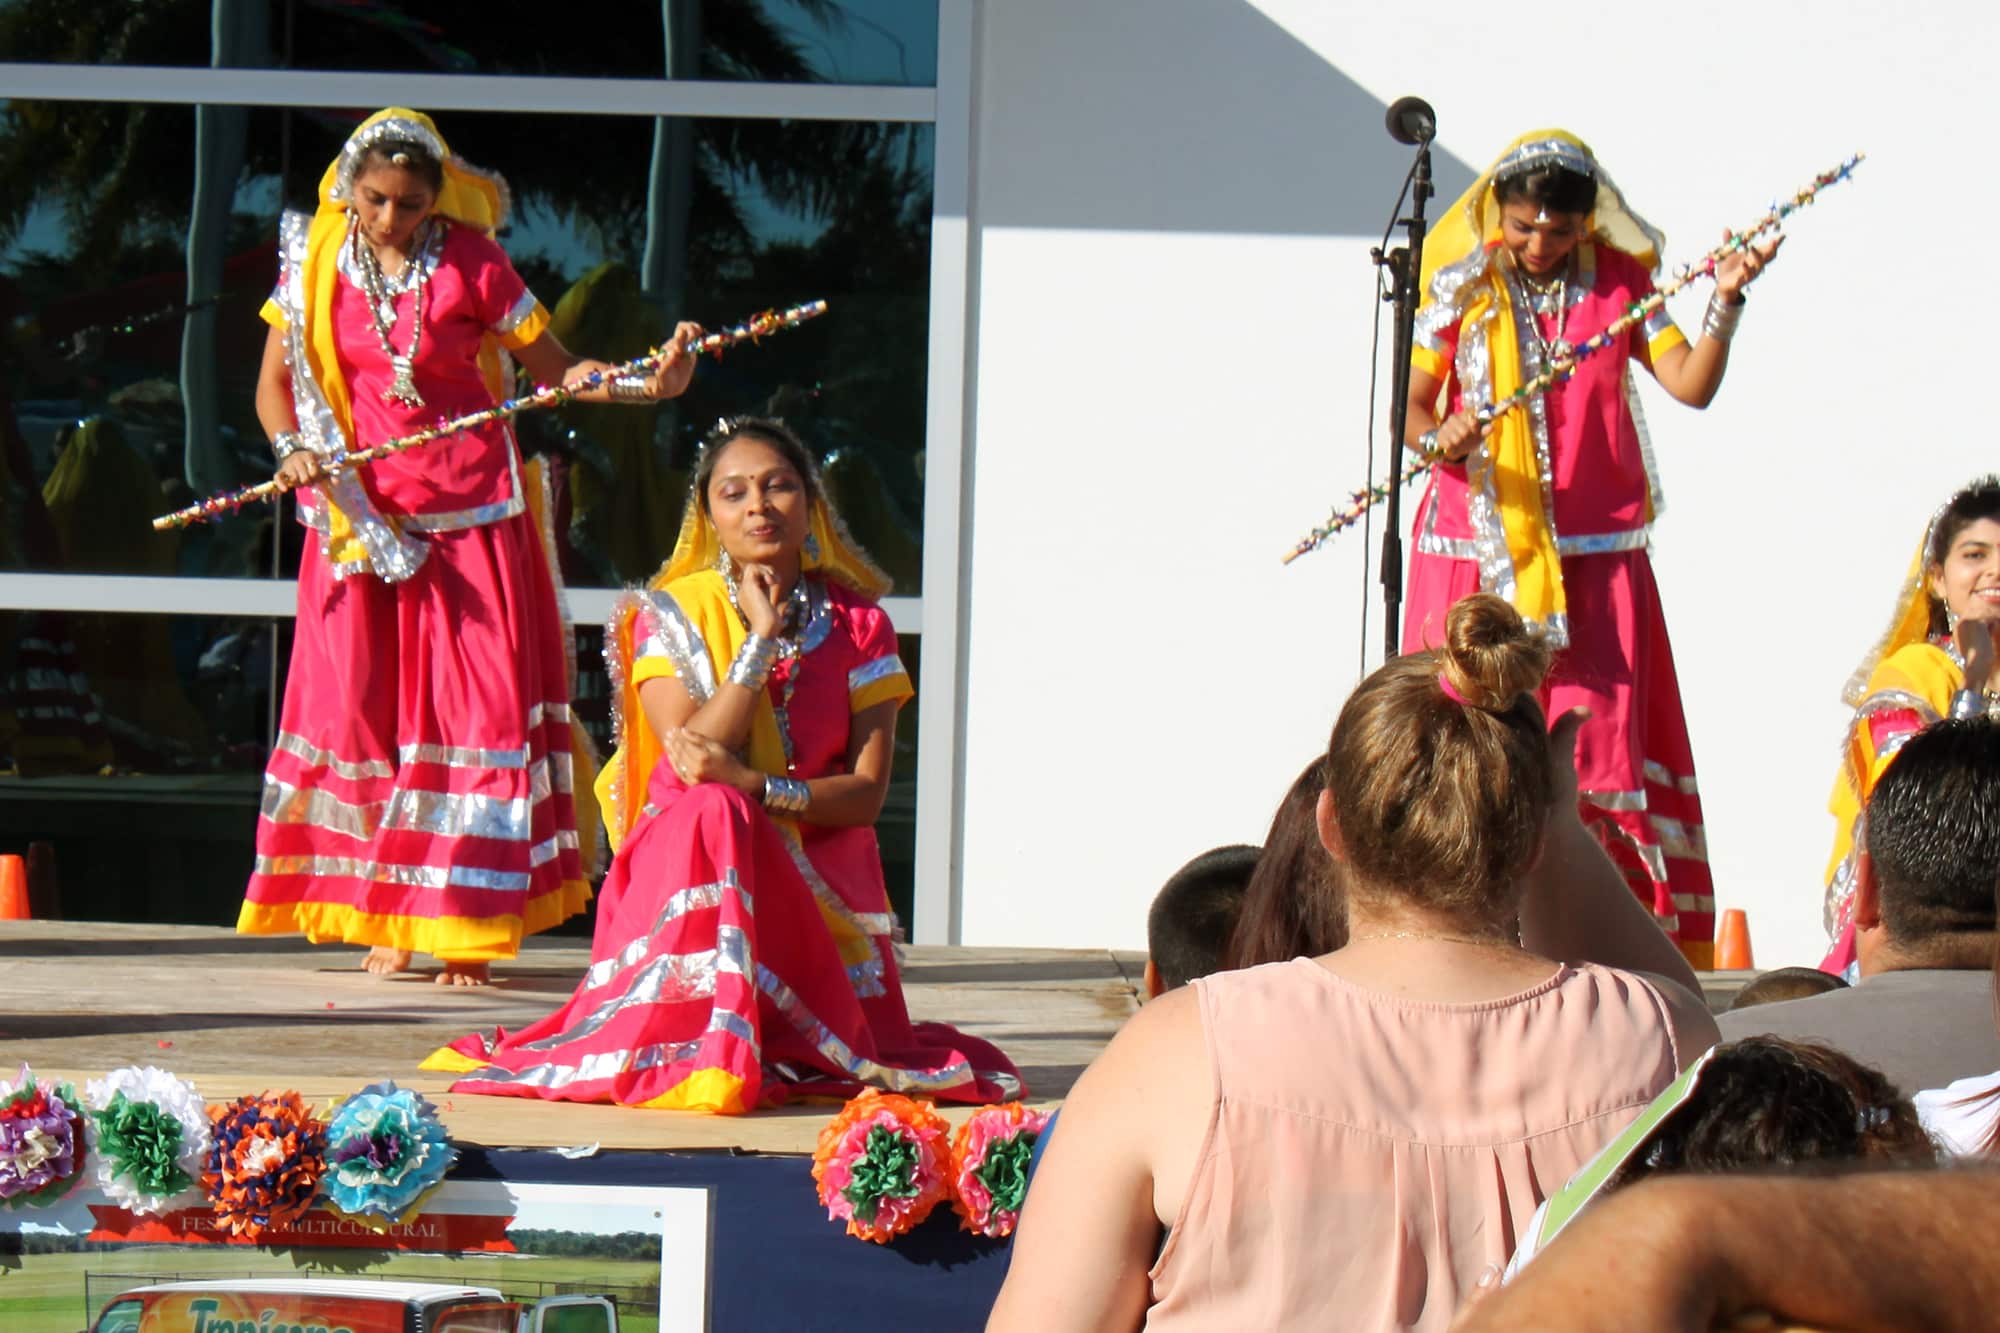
(1732, 942)
(13, 889)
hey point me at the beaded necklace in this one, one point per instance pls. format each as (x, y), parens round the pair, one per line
(382, 303)
(791, 653)
(1555, 349)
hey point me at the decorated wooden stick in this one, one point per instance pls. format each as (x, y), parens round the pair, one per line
(1360, 502)
(552, 395)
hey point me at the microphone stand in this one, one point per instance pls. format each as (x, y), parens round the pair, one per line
(1406, 265)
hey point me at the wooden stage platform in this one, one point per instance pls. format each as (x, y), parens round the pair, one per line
(237, 1015)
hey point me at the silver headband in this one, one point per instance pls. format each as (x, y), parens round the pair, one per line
(1539, 153)
(395, 127)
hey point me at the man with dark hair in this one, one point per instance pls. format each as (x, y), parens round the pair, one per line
(1193, 916)
(1924, 898)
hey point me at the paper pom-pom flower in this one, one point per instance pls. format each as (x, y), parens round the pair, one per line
(989, 1166)
(881, 1164)
(385, 1150)
(264, 1163)
(149, 1138)
(41, 1141)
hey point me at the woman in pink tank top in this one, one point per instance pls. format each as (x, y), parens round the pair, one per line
(1353, 1141)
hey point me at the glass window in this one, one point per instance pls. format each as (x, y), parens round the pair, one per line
(164, 722)
(881, 42)
(110, 414)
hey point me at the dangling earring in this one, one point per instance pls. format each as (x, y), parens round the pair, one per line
(725, 566)
(1950, 621)
(811, 549)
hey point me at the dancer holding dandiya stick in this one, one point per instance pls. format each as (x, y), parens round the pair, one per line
(1551, 505)
(420, 797)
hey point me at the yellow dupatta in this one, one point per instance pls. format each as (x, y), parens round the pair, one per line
(1903, 669)
(692, 571)
(1464, 275)
(470, 197)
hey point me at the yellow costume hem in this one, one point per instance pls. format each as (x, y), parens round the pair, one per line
(451, 939)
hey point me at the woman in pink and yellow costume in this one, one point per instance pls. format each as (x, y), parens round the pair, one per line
(419, 796)
(743, 952)
(1551, 506)
(1936, 660)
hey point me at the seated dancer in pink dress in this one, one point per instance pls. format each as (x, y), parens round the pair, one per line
(742, 952)
(419, 796)
(1551, 506)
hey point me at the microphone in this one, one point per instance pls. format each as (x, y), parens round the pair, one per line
(1412, 121)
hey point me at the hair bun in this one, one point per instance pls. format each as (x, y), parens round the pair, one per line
(1490, 655)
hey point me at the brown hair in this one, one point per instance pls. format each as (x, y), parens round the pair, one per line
(1980, 498)
(1765, 1101)
(1294, 907)
(1442, 799)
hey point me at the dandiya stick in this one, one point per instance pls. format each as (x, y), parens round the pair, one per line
(554, 395)
(1360, 502)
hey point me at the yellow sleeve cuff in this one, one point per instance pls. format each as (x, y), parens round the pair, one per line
(895, 687)
(1667, 338)
(273, 314)
(533, 326)
(650, 668)
(1435, 364)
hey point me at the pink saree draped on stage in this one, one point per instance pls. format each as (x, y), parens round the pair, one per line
(739, 959)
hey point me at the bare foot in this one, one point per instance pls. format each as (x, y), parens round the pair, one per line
(464, 974)
(386, 962)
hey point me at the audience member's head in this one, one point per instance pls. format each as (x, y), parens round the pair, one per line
(1931, 852)
(1439, 776)
(1293, 907)
(1194, 914)
(1765, 1102)
(1786, 983)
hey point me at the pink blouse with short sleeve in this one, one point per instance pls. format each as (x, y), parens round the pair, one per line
(1370, 1156)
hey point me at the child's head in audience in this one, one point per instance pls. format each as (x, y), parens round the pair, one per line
(1786, 983)
(1765, 1102)
(1193, 916)
(1293, 907)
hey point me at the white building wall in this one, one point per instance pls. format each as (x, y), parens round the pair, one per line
(1172, 204)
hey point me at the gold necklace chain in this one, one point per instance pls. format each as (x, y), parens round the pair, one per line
(1486, 941)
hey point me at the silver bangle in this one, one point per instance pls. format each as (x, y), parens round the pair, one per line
(629, 389)
(286, 443)
(754, 661)
(1427, 444)
(1722, 318)
(1967, 703)
(786, 796)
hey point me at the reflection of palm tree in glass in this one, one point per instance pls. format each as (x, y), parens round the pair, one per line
(698, 221)
(625, 498)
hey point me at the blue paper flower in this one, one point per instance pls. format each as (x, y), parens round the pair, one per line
(385, 1150)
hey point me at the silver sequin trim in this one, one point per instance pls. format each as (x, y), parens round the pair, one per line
(1657, 772)
(353, 770)
(515, 317)
(392, 556)
(879, 669)
(694, 898)
(841, 1056)
(406, 876)
(450, 815)
(316, 807)
(672, 978)
(610, 1064)
(1605, 543)
(393, 127)
(478, 516)
(864, 923)
(664, 630)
